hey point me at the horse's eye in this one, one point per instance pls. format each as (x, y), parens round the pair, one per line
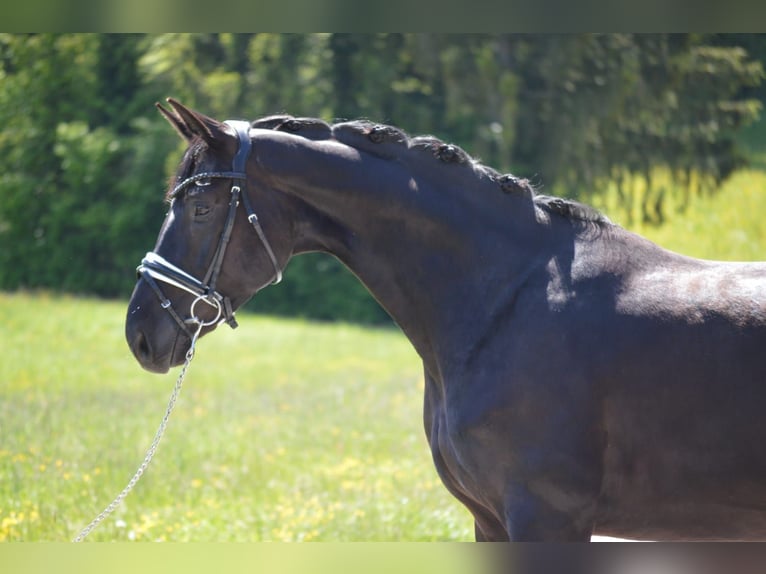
(201, 209)
(204, 182)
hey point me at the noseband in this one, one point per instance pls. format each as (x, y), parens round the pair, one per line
(155, 268)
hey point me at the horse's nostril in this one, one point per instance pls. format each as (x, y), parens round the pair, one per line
(141, 346)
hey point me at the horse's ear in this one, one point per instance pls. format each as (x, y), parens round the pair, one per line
(176, 122)
(189, 124)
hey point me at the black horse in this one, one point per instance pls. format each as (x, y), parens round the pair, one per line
(579, 379)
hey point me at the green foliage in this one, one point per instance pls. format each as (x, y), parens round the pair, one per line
(332, 293)
(609, 108)
(727, 226)
(73, 201)
(44, 77)
(84, 157)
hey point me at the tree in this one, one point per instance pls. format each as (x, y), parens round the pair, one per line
(599, 108)
(44, 78)
(84, 158)
(74, 191)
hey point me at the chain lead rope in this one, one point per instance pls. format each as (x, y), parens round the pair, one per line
(160, 431)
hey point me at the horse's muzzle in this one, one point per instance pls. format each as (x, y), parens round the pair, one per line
(143, 353)
(153, 338)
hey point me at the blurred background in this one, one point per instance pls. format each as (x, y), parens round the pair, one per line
(293, 429)
(645, 127)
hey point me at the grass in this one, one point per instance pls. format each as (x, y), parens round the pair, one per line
(284, 431)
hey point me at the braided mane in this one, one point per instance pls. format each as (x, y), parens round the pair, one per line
(390, 142)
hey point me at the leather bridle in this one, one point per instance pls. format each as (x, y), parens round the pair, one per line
(155, 268)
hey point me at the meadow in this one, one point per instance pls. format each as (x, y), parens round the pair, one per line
(285, 430)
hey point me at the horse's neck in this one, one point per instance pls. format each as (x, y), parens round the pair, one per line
(421, 248)
(411, 267)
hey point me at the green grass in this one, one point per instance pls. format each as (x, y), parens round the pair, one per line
(285, 430)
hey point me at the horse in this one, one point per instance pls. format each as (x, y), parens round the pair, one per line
(579, 379)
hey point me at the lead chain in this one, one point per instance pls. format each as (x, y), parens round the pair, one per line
(153, 448)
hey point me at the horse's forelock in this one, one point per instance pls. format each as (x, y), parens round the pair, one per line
(193, 150)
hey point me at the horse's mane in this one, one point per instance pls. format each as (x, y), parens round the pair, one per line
(390, 142)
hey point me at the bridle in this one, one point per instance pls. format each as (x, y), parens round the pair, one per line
(155, 268)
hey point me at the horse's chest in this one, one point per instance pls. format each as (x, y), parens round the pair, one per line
(449, 459)
(463, 464)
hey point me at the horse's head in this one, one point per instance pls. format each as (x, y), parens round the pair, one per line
(213, 252)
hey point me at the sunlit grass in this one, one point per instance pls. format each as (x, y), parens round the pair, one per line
(285, 430)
